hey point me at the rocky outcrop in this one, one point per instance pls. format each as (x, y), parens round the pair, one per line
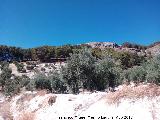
(102, 45)
(155, 50)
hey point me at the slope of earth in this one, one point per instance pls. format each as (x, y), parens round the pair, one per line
(155, 50)
(37, 69)
(128, 102)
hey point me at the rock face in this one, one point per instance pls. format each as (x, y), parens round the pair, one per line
(102, 45)
(155, 50)
(151, 50)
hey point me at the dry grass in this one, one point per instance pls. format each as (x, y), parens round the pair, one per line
(41, 92)
(21, 106)
(25, 97)
(136, 92)
(5, 111)
(26, 116)
(30, 96)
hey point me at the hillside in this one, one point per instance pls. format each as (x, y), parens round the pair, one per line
(95, 80)
(100, 105)
(154, 50)
(52, 53)
(102, 45)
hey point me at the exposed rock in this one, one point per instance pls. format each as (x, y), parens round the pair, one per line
(102, 45)
(155, 50)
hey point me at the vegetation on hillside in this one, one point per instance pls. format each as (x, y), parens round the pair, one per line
(45, 53)
(131, 45)
(85, 68)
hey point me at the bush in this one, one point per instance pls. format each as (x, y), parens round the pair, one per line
(6, 74)
(42, 82)
(128, 60)
(153, 70)
(24, 81)
(58, 84)
(10, 84)
(30, 67)
(78, 71)
(54, 83)
(136, 74)
(20, 66)
(12, 87)
(132, 45)
(31, 85)
(83, 70)
(106, 74)
(4, 64)
(148, 72)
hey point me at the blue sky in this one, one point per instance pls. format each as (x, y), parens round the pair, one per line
(30, 23)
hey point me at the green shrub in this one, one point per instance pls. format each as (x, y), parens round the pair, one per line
(30, 85)
(106, 74)
(128, 60)
(20, 66)
(12, 87)
(148, 72)
(78, 71)
(10, 84)
(30, 67)
(153, 70)
(42, 82)
(4, 64)
(54, 83)
(83, 70)
(5, 75)
(58, 84)
(24, 81)
(136, 74)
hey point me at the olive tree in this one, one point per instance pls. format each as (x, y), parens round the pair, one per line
(78, 71)
(153, 70)
(106, 73)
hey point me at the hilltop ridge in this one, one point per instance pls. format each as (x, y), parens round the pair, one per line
(102, 45)
(48, 53)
